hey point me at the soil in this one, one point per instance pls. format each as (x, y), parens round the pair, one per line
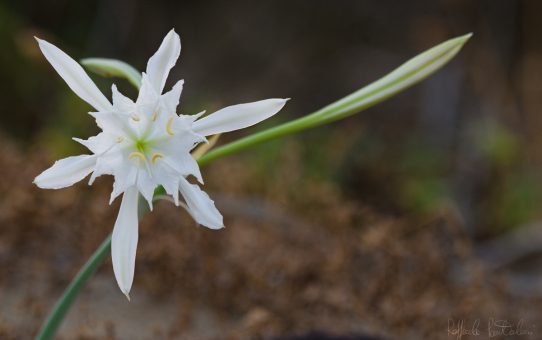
(297, 260)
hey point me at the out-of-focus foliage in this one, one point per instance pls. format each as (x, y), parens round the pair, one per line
(371, 224)
(468, 137)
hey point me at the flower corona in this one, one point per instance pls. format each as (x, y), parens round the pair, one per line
(145, 144)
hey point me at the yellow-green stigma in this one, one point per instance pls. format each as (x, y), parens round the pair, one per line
(141, 145)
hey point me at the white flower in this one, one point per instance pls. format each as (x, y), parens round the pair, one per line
(144, 144)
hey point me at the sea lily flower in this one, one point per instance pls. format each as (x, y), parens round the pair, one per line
(145, 144)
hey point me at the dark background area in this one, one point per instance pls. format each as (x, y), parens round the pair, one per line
(461, 151)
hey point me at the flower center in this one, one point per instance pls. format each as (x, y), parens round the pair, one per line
(142, 153)
(141, 145)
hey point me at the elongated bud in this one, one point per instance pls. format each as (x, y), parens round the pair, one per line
(113, 68)
(406, 75)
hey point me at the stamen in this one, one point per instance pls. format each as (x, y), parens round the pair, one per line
(156, 157)
(120, 139)
(154, 115)
(137, 154)
(135, 117)
(168, 126)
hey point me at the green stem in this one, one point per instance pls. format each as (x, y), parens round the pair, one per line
(62, 306)
(258, 138)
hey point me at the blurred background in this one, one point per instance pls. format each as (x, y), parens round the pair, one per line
(390, 224)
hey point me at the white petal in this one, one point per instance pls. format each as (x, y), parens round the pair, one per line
(147, 93)
(121, 102)
(102, 168)
(124, 241)
(177, 155)
(114, 123)
(170, 100)
(200, 206)
(176, 127)
(168, 177)
(186, 165)
(238, 116)
(108, 162)
(163, 60)
(125, 176)
(146, 186)
(66, 172)
(99, 143)
(74, 75)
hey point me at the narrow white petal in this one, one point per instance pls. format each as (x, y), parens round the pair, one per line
(108, 161)
(238, 116)
(147, 93)
(102, 168)
(163, 60)
(168, 177)
(99, 143)
(146, 186)
(66, 172)
(125, 177)
(121, 102)
(114, 123)
(200, 205)
(186, 165)
(178, 157)
(170, 100)
(74, 75)
(124, 241)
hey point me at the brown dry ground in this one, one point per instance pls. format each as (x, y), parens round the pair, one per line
(295, 258)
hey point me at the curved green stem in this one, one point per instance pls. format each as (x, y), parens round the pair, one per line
(63, 304)
(258, 138)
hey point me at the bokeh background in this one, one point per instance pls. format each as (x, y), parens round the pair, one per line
(421, 211)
